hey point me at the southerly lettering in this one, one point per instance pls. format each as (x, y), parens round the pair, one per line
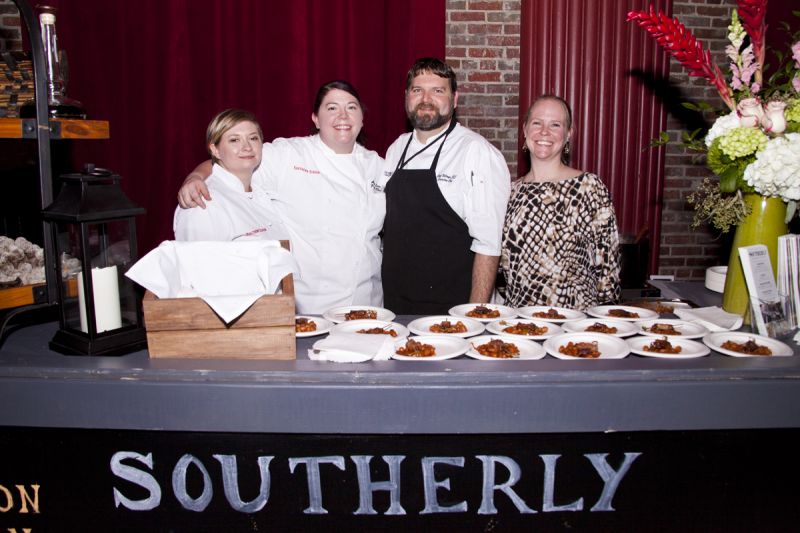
(312, 473)
(431, 485)
(366, 486)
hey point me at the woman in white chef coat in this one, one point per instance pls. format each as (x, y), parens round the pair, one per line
(323, 190)
(240, 209)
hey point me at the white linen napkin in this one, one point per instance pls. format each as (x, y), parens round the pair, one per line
(228, 276)
(713, 318)
(352, 348)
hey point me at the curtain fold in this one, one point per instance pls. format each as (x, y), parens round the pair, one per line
(610, 72)
(159, 70)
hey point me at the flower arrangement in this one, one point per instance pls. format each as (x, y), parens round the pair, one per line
(754, 144)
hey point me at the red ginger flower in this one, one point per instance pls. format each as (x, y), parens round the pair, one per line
(752, 13)
(682, 45)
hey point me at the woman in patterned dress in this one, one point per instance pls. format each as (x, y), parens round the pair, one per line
(560, 238)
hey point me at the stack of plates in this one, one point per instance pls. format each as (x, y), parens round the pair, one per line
(715, 278)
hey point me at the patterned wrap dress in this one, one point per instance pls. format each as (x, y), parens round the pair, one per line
(561, 244)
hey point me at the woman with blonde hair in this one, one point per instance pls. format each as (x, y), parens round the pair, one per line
(240, 209)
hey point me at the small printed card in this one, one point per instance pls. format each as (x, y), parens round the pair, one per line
(766, 303)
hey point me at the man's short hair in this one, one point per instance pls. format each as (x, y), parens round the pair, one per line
(432, 65)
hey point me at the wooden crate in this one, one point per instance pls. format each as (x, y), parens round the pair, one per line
(189, 328)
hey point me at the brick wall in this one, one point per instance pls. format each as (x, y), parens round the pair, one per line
(10, 29)
(686, 253)
(483, 39)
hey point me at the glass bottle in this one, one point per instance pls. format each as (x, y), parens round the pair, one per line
(59, 105)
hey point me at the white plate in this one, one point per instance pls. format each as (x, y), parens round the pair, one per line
(689, 349)
(715, 340)
(337, 313)
(447, 347)
(421, 326)
(601, 311)
(498, 325)
(570, 314)
(650, 304)
(610, 347)
(462, 310)
(687, 330)
(352, 326)
(624, 329)
(323, 326)
(527, 349)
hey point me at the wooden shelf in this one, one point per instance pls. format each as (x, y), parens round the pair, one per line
(23, 295)
(32, 294)
(25, 128)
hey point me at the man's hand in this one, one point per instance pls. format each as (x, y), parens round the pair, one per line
(193, 192)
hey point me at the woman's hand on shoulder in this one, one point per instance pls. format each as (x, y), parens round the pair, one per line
(193, 193)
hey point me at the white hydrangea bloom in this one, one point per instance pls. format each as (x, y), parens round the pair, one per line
(776, 170)
(721, 126)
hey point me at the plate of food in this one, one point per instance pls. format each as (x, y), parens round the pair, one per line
(309, 326)
(667, 347)
(524, 328)
(609, 326)
(429, 348)
(585, 345)
(660, 306)
(548, 313)
(622, 312)
(358, 312)
(742, 344)
(446, 325)
(372, 327)
(483, 312)
(503, 348)
(671, 328)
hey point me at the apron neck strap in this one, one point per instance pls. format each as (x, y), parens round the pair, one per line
(403, 161)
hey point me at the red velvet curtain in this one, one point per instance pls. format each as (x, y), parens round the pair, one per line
(613, 75)
(159, 70)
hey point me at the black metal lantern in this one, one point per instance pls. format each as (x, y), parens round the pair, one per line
(94, 232)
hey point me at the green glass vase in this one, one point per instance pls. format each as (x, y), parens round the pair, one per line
(765, 223)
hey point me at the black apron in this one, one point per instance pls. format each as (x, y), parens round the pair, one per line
(427, 261)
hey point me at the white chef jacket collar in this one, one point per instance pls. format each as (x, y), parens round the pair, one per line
(329, 151)
(432, 138)
(228, 179)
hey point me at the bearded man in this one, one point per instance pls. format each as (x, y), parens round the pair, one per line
(446, 194)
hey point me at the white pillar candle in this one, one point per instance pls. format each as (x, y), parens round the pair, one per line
(106, 300)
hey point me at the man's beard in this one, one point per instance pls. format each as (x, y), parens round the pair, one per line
(428, 122)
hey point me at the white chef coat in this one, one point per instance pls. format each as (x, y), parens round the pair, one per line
(231, 214)
(334, 213)
(472, 176)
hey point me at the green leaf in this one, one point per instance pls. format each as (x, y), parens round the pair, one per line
(730, 171)
(792, 127)
(728, 179)
(661, 140)
(742, 185)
